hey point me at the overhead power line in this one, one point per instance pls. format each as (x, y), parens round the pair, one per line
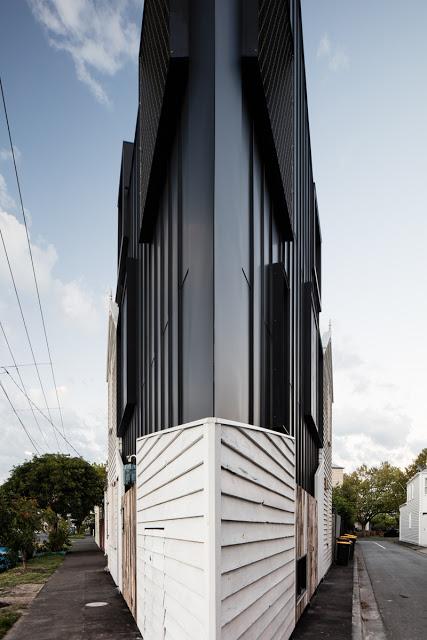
(41, 412)
(22, 382)
(12, 150)
(23, 364)
(25, 326)
(17, 415)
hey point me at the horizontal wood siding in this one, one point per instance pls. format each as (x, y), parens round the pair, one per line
(257, 534)
(215, 533)
(325, 560)
(171, 534)
(410, 521)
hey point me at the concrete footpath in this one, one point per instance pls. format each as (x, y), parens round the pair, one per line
(61, 608)
(330, 612)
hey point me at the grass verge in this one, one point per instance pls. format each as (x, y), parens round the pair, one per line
(38, 571)
(8, 617)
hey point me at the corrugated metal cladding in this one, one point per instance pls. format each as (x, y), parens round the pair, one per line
(276, 49)
(227, 304)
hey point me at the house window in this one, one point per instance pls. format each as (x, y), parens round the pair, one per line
(313, 374)
(301, 575)
(410, 521)
(127, 347)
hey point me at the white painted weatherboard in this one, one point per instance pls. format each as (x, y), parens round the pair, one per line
(215, 532)
(413, 514)
(115, 486)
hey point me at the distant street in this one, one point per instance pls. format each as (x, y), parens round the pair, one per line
(399, 580)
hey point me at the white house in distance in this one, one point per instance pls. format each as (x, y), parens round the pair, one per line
(413, 514)
(337, 475)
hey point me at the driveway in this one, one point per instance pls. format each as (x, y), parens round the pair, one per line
(399, 581)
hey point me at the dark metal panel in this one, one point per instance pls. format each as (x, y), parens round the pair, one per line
(257, 261)
(267, 56)
(217, 208)
(162, 71)
(231, 228)
(196, 196)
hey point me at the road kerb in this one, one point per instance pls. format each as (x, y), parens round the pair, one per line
(367, 623)
(356, 622)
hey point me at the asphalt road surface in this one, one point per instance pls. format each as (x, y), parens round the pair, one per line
(399, 581)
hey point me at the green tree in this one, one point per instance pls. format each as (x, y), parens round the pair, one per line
(63, 484)
(59, 531)
(343, 501)
(370, 492)
(420, 462)
(20, 521)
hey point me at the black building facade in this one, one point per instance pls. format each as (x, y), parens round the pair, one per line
(219, 245)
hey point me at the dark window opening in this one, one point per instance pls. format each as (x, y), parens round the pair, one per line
(313, 377)
(301, 576)
(126, 348)
(276, 351)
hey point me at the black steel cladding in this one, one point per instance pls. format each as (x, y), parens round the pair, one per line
(222, 325)
(275, 51)
(154, 61)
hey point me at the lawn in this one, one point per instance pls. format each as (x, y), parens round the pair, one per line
(38, 571)
(8, 617)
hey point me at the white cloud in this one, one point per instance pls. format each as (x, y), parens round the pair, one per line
(6, 154)
(336, 57)
(324, 48)
(78, 305)
(86, 434)
(354, 450)
(15, 239)
(73, 299)
(6, 200)
(372, 420)
(100, 37)
(338, 61)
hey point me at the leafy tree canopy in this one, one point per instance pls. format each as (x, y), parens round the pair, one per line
(20, 519)
(63, 484)
(369, 492)
(419, 463)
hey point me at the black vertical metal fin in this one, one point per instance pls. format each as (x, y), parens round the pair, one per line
(163, 62)
(267, 63)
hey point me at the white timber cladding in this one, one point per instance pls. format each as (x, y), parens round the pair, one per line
(323, 477)
(215, 532)
(115, 489)
(413, 514)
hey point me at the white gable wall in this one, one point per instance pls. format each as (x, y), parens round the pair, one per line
(423, 510)
(413, 514)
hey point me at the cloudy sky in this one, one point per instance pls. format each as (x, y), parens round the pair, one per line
(70, 77)
(69, 74)
(366, 64)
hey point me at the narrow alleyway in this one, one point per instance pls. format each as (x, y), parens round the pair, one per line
(61, 608)
(330, 612)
